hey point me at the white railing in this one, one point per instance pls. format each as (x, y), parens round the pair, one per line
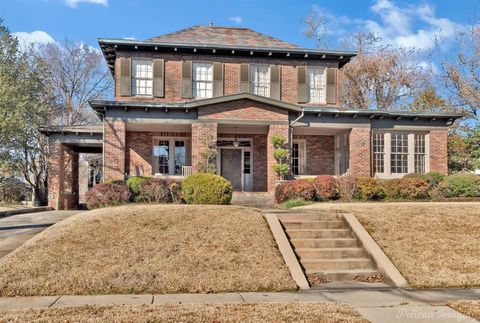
(186, 170)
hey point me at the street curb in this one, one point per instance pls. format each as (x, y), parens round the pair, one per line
(286, 251)
(8, 213)
(381, 260)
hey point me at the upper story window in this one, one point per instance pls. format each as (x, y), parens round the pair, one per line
(316, 84)
(202, 80)
(260, 80)
(142, 77)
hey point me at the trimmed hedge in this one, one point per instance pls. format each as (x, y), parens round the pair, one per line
(463, 185)
(107, 194)
(205, 188)
(134, 183)
(292, 190)
(410, 188)
(371, 189)
(154, 190)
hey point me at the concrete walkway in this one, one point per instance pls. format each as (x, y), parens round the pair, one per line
(389, 305)
(17, 229)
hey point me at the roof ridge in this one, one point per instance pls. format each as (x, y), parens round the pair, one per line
(175, 32)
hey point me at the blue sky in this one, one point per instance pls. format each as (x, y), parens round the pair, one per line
(400, 23)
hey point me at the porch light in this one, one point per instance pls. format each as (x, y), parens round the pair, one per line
(236, 143)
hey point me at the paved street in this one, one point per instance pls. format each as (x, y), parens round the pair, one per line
(17, 229)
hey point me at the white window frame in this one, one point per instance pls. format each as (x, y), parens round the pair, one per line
(256, 85)
(204, 84)
(148, 79)
(171, 154)
(410, 157)
(321, 87)
(302, 156)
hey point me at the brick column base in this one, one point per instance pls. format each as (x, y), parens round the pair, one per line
(201, 131)
(360, 164)
(62, 177)
(114, 142)
(438, 141)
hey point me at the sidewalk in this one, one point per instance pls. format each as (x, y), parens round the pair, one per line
(389, 305)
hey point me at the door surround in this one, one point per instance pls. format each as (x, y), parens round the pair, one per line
(247, 179)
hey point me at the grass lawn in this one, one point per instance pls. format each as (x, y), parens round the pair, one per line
(281, 312)
(433, 244)
(470, 308)
(149, 249)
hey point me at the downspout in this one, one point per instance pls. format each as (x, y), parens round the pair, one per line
(290, 141)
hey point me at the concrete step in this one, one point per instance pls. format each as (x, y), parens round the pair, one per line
(337, 264)
(330, 253)
(323, 243)
(289, 225)
(319, 233)
(344, 274)
(307, 217)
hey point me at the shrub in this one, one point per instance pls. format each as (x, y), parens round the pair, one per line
(439, 191)
(347, 186)
(176, 192)
(298, 189)
(411, 188)
(433, 178)
(13, 190)
(370, 189)
(326, 187)
(294, 203)
(154, 190)
(463, 185)
(203, 188)
(107, 194)
(134, 182)
(114, 181)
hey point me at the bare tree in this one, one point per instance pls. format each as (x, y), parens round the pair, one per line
(316, 27)
(76, 74)
(462, 74)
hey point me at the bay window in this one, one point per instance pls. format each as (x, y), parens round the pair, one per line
(202, 80)
(142, 77)
(316, 84)
(260, 80)
(396, 153)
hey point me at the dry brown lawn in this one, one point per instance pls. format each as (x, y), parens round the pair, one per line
(281, 312)
(8, 207)
(433, 244)
(149, 249)
(467, 307)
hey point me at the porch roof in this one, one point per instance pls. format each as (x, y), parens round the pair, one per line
(83, 129)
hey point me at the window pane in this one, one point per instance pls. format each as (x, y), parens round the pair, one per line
(246, 162)
(202, 80)
(295, 161)
(399, 155)
(316, 84)
(179, 156)
(162, 151)
(260, 80)
(142, 77)
(420, 153)
(378, 152)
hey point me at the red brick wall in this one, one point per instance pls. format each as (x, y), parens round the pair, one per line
(360, 152)
(173, 76)
(320, 154)
(62, 177)
(113, 149)
(201, 131)
(439, 150)
(242, 110)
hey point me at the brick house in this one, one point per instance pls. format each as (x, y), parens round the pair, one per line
(236, 88)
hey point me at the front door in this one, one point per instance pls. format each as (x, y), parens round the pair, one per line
(231, 167)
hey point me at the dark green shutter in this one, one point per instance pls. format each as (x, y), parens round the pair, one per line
(302, 84)
(158, 79)
(187, 79)
(275, 72)
(244, 78)
(217, 79)
(125, 77)
(331, 86)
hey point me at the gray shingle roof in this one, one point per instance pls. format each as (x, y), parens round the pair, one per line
(231, 36)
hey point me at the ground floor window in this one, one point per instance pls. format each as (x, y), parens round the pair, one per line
(298, 157)
(396, 153)
(171, 155)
